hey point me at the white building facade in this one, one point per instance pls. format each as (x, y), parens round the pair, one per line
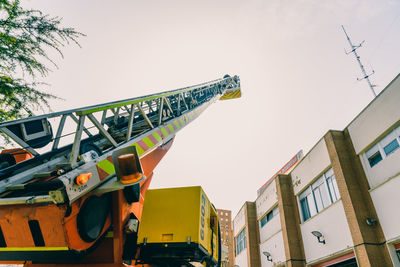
(337, 207)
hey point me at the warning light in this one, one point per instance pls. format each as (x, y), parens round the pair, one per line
(83, 178)
(128, 169)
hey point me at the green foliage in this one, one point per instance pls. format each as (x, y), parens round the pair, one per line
(25, 36)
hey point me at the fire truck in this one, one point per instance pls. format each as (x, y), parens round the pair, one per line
(75, 190)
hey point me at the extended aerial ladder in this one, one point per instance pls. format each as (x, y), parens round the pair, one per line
(73, 201)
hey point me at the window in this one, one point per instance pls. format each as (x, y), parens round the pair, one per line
(307, 204)
(390, 143)
(332, 185)
(373, 155)
(241, 241)
(269, 216)
(226, 226)
(322, 193)
(386, 146)
(226, 219)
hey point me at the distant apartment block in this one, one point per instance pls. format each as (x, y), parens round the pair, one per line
(225, 222)
(337, 207)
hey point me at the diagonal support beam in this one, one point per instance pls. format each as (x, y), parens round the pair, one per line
(125, 108)
(183, 100)
(59, 132)
(149, 103)
(145, 116)
(166, 100)
(102, 130)
(19, 141)
(103, 117)
(130, 123)
(84, 128)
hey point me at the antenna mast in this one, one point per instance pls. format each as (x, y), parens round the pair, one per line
(353, 50)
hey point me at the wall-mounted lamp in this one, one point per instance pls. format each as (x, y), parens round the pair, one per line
(371, 221)
(268, 255)
(319, 236)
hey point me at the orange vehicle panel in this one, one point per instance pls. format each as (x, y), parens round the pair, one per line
(18, 154)
(58, 224)
(14, 222)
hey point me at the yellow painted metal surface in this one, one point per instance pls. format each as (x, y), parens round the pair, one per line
(231, 94)
(173, 215)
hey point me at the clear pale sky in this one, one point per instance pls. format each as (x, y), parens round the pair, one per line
(297, 82)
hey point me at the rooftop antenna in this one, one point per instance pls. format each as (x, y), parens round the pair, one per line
(353, 50)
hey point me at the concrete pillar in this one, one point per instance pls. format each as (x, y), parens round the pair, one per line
(290, 221)
(369, 241)
(253, 243)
